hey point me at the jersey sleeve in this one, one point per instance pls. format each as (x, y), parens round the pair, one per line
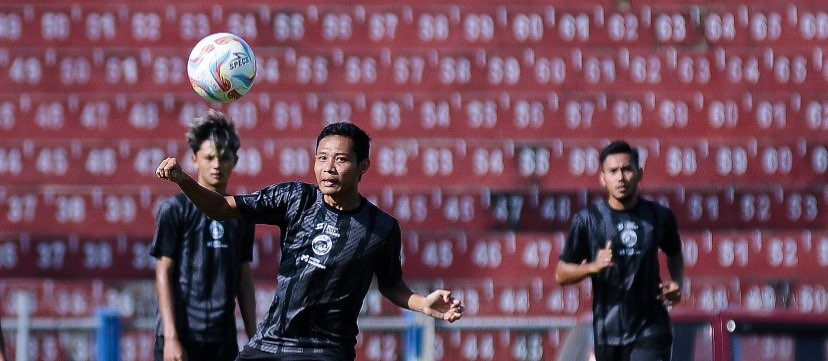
(388, 266)
(576, 247)
(167, 221)
(269, 205)
(671, 242)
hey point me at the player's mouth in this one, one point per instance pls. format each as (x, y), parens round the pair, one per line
(329, 183)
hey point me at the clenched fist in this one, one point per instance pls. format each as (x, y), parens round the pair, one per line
(170, 170)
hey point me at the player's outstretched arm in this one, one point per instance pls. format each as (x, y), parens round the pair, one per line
(215, 205)
(438, 304)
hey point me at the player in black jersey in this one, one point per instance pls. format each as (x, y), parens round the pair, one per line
(333, 243)
(203, 264)
(615, 242)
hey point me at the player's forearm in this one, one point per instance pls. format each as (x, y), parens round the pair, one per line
(247, 302)
(165, 302)
(402, 296)
(215, 205)
(569, 273)
(675, 264)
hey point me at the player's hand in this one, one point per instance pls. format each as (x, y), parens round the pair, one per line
(173, 350)
(170, 170)
(670, 293)
(604, 258)
(440, 304)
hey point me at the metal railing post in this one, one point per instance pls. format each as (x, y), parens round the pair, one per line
(108, 335)
(23, 304)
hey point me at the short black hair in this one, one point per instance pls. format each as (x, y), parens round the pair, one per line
(361, 140)
(619, 147)
(215, 126)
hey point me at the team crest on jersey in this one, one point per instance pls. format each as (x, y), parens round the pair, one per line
(216, 229)
(627, 233)
(217, 232)
(321, 244)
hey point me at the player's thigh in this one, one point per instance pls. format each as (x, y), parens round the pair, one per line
(650, 351)
(218, 351)
(610, 353)
(251, 354)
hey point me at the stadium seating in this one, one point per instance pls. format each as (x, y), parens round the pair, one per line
(487, 118)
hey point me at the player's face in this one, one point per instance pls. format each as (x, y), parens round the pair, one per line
(213, 170)
(621, 177)
(337, 171)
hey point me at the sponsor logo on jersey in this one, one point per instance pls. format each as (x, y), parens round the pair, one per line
(327, 229)
(313, 261)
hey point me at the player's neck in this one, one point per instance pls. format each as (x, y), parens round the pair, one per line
(622, 204)
(220, 189)
(344, 202)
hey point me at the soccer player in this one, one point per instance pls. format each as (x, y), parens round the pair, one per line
(333, 243)
(615, 242)
(203, 264)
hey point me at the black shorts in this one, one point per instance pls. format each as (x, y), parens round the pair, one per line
(251, 354)
(194, 350)
(641, 350)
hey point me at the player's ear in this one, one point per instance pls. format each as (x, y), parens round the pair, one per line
(601, 178)
(364, 165)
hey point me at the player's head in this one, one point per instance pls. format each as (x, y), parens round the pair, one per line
(341, 160)
(215, 145)
(620, 172)
(361, 142)
(619, 147)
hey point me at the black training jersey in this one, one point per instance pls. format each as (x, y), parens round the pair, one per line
(329, 258)
(208, 255)
(625, 296)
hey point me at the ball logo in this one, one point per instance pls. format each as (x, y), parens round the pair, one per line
(321, 245)
(240, 59)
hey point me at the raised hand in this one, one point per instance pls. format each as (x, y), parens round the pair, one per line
(170, 170)
(440, 304)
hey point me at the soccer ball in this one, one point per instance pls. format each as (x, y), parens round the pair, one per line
(221, 67)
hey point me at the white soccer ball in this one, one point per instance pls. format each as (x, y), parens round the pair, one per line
(221, 67)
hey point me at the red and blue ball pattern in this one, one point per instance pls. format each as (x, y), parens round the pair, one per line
(222, 67)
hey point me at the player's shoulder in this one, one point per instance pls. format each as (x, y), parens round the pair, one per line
(178, 204)
(658, 207)
(660, 211)
(594, 210)
(179, 201)
(287, 189)
(290, 186)
(382, 215)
